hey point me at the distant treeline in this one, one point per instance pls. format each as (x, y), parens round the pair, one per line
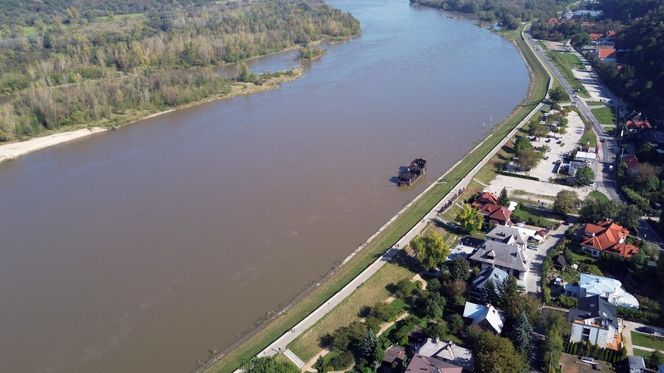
(508, 12)
(67, 62)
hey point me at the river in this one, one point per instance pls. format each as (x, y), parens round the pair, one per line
(140, 249)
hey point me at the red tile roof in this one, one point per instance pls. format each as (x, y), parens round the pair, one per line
(483, 199)
(639, 124)
(605, 51)
(595, 36)
(553, 21)
(631, 161)
(608, 236)
(496, 212)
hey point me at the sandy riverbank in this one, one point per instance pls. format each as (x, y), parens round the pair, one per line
(16, 149)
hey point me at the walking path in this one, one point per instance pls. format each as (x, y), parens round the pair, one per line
(282, 342)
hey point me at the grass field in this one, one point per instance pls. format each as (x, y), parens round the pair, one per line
(604, 115)
(262, 338)
(644, 340)
(599, 196)
(565, 62)
(374, 290)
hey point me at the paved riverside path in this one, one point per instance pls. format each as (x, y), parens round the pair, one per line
(281, 344)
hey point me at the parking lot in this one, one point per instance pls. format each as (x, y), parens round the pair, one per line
(573, 364)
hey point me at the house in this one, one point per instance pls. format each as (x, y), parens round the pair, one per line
(487, 317)
(495, 254)
(484, 198)
(605, 52)
(574, 167)
(638, 124)
(493, 274)
(607, 237)
(509, 235)
(595, 36)
(632, 164)
(496, 214)
(448, 351)
(636, 364)
(423, 364)
(553, 21)
(660, 369)
(393, 360)
(595, 320)
(607, 288)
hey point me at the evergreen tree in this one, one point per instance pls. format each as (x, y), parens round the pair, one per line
(489, 293)
(459, 269)
(521, 335)
(368, 346)
(503, 199)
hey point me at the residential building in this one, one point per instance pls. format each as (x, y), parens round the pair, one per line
(493, 274)
(605, 53)
(638, 124)
(393, 360)
(423, 364)
(632, 164)
(607, 237)
(509, 235)
(636, 364)
(608, 288)
(496, 214)
(595, 320)
(484, 198)
(448, 351)
(486, 317)
(495, 254)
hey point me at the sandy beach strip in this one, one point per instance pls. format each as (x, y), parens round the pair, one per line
(16, 149)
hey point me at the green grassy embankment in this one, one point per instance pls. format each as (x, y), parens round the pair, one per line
(565, 62)
(400, 226)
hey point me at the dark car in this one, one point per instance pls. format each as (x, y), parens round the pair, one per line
(646, 329)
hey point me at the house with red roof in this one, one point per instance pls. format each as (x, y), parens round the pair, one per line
(595, 36)
(605, 52)
(632, 164)
(484, 198)
(607, 237)
(553, 21)
(638, 124)
(494, 213)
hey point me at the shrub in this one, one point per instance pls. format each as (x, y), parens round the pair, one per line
(342, 361)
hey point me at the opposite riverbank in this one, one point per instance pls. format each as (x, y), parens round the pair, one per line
(13, 150)
(366, 254)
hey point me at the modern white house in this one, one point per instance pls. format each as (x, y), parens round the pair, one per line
(595, 320)
(608, 288)
(487, 317)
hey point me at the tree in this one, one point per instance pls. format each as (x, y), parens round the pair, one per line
(584, 176)
(647, 178)
(434, 305)
(489, 293)
(321, 365)
(528, 159)
(431, 250)
(558, 94)
(655, 359)
(269, 365)
(566, 202)
(437, 329)
(470, 219)
(459, 269)
(455, 323)
(553, 347)
(508, 289)
(246, 76)
(494, 354)
(629, 216)
(521, 145)
(594, 210)
(368, 346)
(503, 199)
(521, 335)
(349, 335)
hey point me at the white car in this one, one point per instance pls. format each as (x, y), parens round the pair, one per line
(588, 360)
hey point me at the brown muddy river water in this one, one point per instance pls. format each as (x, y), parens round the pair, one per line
(140, 249)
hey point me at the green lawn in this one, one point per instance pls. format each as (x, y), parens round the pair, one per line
(262, 338)
(599, 196)
(645, 340)
(604, 115)
(374, 290)
(565, 62)
(640, 352)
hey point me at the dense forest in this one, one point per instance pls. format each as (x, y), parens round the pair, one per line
(72, 62)
(508, 12)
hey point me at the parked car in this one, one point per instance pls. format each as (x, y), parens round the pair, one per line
(646, 329)
(588, 360)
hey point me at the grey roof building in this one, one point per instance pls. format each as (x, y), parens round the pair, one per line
(495, 254)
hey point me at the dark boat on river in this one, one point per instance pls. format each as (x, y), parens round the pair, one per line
(413, 172)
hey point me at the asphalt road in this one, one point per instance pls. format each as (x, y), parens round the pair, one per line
(608, 147)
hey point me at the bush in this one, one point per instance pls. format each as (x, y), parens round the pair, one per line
(342, 361)
(567, 302)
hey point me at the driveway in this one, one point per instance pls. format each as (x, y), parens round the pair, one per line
(628, 327)
(536, 257)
